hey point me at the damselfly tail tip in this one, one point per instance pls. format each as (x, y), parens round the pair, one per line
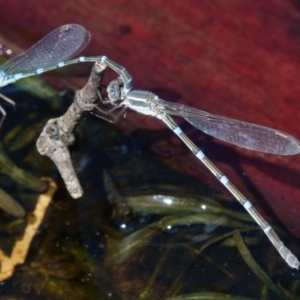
(294, 264)
(289, 257)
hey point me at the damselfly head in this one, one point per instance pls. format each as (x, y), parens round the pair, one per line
(113, 94)
(114, 90)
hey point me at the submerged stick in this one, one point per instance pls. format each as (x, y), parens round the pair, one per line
(58, 134)
(21, 247)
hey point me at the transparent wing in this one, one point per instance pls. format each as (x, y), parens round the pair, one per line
(59, 45)
(243, 134)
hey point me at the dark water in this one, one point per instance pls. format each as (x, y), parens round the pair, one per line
(142, 230)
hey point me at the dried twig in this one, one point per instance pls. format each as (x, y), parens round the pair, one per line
(58, 134)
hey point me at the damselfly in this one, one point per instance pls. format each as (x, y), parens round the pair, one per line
(51, 52)
(247, 135)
